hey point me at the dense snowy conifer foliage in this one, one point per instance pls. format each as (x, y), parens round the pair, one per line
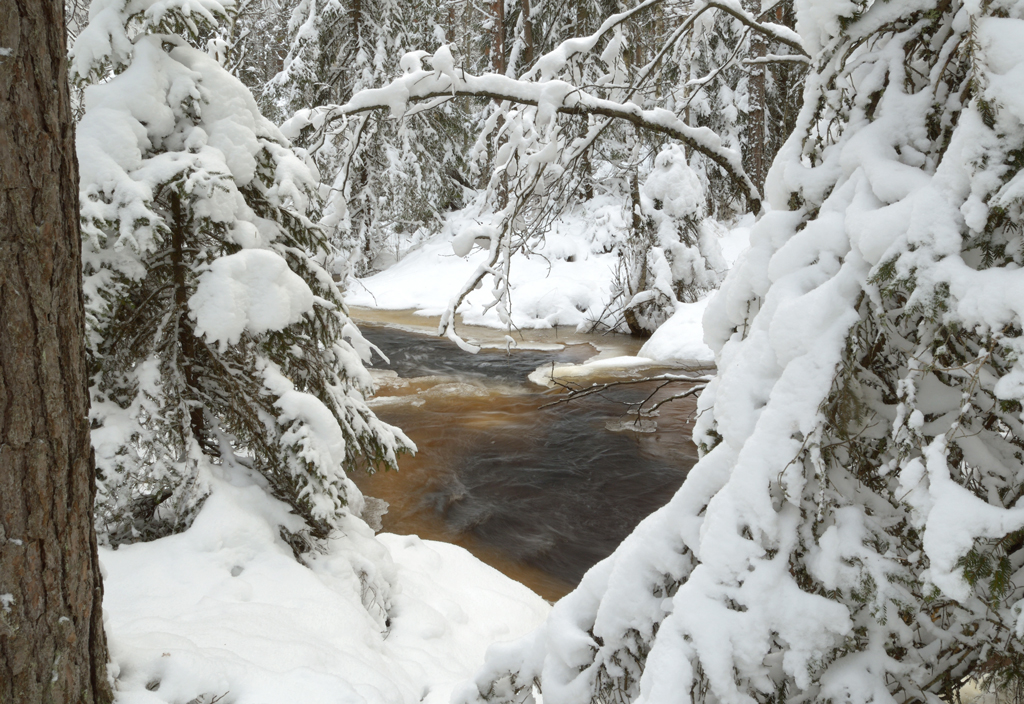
(217, 334)
(396, 176)
(852, 531)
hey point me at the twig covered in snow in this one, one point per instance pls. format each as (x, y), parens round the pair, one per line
(776, 32)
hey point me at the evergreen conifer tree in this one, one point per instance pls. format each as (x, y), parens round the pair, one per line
(853, 530)
(217, 335)
(672, 255)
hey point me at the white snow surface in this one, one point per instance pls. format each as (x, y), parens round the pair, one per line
(681, 337)
(567, 282)
(252, 289)
(225, 608)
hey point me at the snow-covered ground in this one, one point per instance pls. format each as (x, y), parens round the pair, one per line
(225, 609)
(566, 282)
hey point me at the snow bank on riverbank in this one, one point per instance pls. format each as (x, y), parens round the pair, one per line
(225, 609)
(567, 282)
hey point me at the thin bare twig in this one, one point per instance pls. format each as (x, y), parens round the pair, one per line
(663, 380)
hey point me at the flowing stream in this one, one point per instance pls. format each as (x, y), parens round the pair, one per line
(539, 493)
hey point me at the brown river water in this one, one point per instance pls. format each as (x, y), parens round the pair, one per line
(541, 494)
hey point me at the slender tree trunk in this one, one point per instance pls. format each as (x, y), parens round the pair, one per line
(497, 56)
(756, 96)
(588, 176)
(52, 647)
(498, 37)
(450, 35)
(528, 53)
(588, 170)
(356, 25)
(186, 335)
(636, 253)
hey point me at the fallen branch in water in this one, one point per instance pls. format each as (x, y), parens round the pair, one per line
(575, 392)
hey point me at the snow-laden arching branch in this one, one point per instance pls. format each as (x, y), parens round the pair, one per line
(553, 96)
(538, 87)
(773, 32)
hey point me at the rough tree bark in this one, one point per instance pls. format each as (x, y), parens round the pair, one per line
(52, 646)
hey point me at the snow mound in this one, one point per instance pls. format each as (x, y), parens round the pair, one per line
(225, 608)
(598, 366)
(681, 337)
(675, 185)
(253, 289)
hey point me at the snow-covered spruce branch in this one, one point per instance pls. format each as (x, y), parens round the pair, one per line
(554, 95)
(852, 531)
(217, 337)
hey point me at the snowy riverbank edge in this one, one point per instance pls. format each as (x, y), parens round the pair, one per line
(566, 283)
(225, 610)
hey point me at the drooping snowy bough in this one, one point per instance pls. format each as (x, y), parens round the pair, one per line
(217, 335)
(852, 531)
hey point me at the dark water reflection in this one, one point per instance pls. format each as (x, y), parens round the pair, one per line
(542, 494)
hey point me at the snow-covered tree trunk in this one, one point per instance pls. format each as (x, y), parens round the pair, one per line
(754, 152)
